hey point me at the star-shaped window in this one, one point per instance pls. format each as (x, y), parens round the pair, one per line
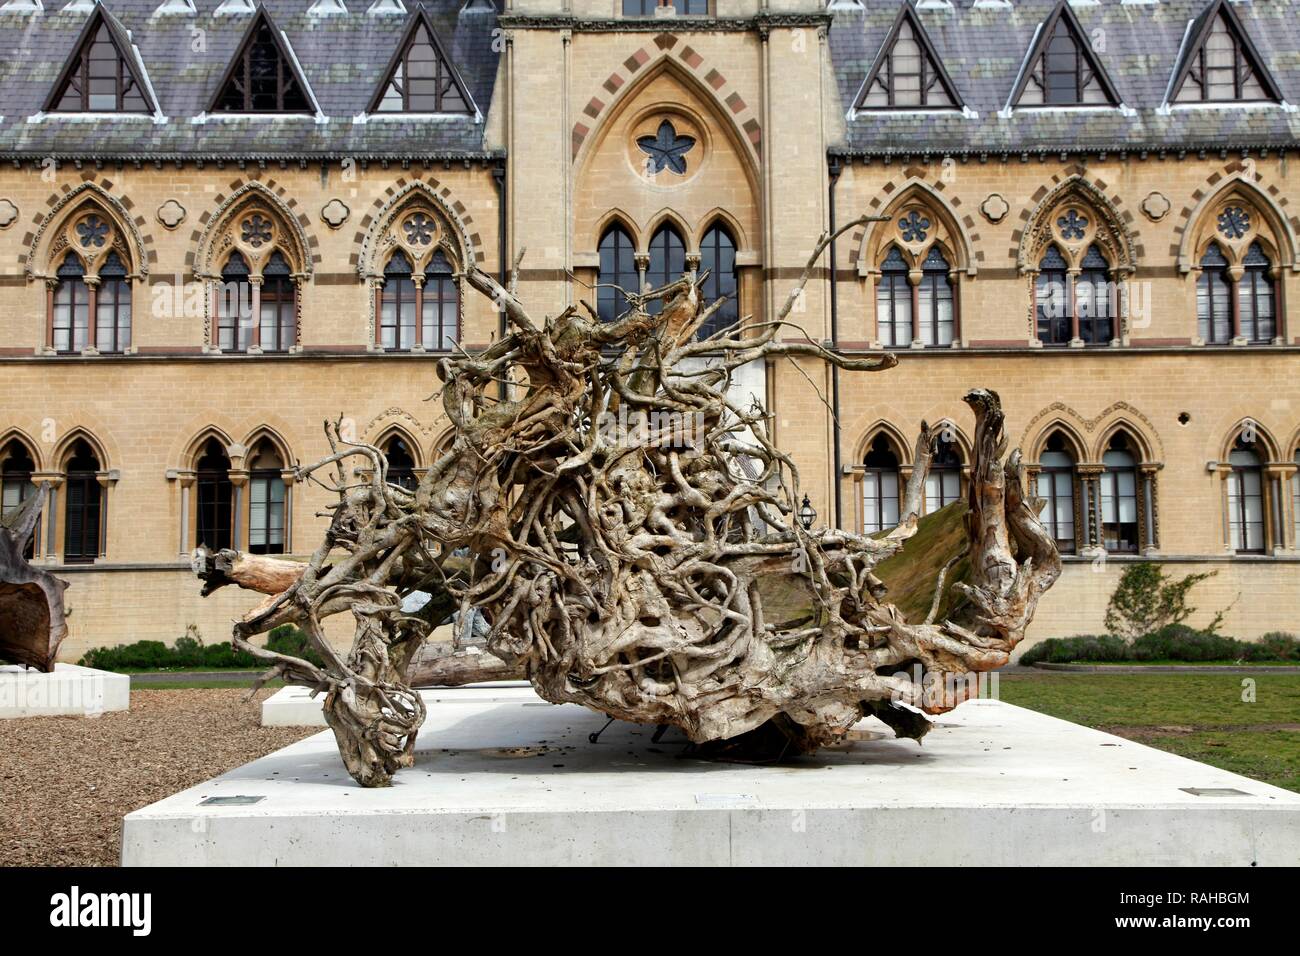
(667, 149)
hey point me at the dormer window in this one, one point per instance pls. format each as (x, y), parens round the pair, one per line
(1222, 64)
(1062, 69)
(908, 74)
(262, 77)
(421, 77)
(102, 75)
(683, 8)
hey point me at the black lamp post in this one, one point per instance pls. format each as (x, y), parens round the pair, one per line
(807, 515)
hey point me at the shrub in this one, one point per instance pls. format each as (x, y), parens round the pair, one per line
(189, 652)
(1174, 642)
(291, 640)
(1146, 601)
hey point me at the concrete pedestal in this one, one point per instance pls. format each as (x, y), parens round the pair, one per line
(518, 782)
(295, 707)
(71, 690)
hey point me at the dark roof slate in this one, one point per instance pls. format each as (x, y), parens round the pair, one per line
(983, 51)
(343, 58)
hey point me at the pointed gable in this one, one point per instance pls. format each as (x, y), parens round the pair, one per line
(103, 74)
(262, 77)
(908, 73)
(421, 77)
(1062, 69)
(1219, 63)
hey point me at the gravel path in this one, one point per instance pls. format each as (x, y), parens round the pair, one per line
(66, 782)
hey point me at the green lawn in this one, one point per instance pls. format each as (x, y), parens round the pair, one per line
(1207, 717)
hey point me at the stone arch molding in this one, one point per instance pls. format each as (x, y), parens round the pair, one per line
(1115, 417)
(379, 240)
(943, 227)
(1074, 215)
(218, 236)
(53, 234)
(1262, 220)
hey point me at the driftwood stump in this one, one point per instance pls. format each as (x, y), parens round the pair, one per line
(33, 622)
(626, 525)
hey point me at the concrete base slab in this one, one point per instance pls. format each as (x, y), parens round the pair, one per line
(518, 782)
(295, 707)
(71, 690)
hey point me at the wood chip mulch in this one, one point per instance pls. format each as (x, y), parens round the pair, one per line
(66, 782)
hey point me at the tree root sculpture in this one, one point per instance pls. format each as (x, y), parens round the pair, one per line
(626, 525)
(33, 622)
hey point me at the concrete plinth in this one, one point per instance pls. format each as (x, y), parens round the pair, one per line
(295, 707)
(70, 690)
(519, 782)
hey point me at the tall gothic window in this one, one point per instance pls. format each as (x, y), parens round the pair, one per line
(441, 305)
(266, 502)
(1255, 294)
(71, 318)
(934, 300)
(113, 307)
(617, 268)
(235, 306)
(215, 494)
(1295, 497)
(397, 304)
(1063, 69)
(1224, 65)
(894, 302)
(401, 464)
(278, 304)
(1119, 497)
(83, 511)
(1055, 485)
(943, 483)
(907, 74)
(880, 483)
(718, 259)
(1094, 299)
(1052, 298)
(16, 468)
(667, 261)
(261, 78)
(1214, 298)
(99, 77)
(421, 78)
(1246, 500)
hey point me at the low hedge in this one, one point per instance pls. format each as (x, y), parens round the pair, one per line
(1176, 642)
(190, 653)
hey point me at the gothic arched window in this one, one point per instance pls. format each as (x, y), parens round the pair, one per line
(235, 305)
(1214, 298)
(215, 492)
(1119, 497)
(943, 483)
(718, 259)
(83, 512)
(441, 305)
(880, 482)
(1055, 485)
(894, 302)
(1051, 298)
(266, 502)
(278, 305)
(113, 307)
(401, 464)
(1093, 299)
(397, 304)
(71, 318)
(1246, 499)
(667, 261)
(16, 468)
(934, 300)
(1256, 295)
(617, 268)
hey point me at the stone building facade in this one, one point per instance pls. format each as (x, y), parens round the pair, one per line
(222, 223)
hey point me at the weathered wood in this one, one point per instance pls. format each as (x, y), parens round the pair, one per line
(628, 533)
(256, 572)
(454, 668)
(33, 622)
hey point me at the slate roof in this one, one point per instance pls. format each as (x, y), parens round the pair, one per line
(343, 58)
(983, 50)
